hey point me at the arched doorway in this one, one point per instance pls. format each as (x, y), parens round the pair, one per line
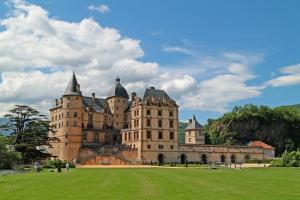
(204, 159)
(160, 159)
(183, 158)
(223, 158)
(232, 158)
(247, 157)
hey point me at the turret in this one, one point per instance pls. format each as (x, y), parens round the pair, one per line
(194, 133)
(117, 100)
(72, 120)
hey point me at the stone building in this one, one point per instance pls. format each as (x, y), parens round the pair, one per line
(132, 130)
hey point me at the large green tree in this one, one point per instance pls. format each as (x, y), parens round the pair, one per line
(28, 130)
(8, 156)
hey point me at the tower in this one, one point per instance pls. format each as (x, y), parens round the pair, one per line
(117, 100)
(194, 133)
(66, 117)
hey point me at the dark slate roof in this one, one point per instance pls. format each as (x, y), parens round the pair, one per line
(117, 90)
(194, 125)
(157, 94)
(72, 86)
(98, 106)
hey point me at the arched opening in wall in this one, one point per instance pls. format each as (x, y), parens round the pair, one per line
(115, 139)
(204, 159)
(232, 158)
(160, 158)
(247, 157)
(183, 159)
(223, 158)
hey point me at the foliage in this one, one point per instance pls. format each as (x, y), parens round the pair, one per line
(278, 127)
(28, 130)
(54, 164)
(291, 159)
(8, 156)
(181, 127)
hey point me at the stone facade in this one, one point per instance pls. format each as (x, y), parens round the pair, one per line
(130, 130)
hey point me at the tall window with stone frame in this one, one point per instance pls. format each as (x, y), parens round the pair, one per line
(171, 135)
(149, 135)
(160, 123)
(160, 135)
(75, 114)
(159, 113)
(75, 123)
(148, 122)
(171, 123)
(170, 113)
(148, 112)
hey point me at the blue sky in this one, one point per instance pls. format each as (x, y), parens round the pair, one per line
(178, 35)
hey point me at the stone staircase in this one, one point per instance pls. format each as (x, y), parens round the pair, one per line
(108, 155)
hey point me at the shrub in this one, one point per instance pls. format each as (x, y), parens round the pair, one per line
(51, 164)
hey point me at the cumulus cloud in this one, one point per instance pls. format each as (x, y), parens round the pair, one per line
(290, 76)
(101, 8)
(38, 54)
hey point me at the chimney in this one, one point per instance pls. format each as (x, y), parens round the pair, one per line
(61, 100)
(93, 96)
(133, 94)
(56, 102)
(190, 121)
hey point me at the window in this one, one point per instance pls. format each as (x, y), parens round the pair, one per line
(125, 136)
(137, 112)
(171, 147)
(68, 105)
(160, 135)
(159, 123)
(171, 135)
(75, 114)
(58, 125)
(148, 134)
(52, 118)
(148, 112)
(171, 114)
(149, 146)
(190, 140)
(148, 103)
(59, 116)
(55, 117)
(66, 135)
(159, 113)
(129, 136)
(75, 123)
(171, 124)
(67, 123)
(68, 114)
(160, 146)
(148, 122)
(159, 104)
(137, 135)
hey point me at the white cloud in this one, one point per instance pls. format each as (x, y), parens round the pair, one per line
(101, 8)
(291, 77)
(38, 54)
(181, 50)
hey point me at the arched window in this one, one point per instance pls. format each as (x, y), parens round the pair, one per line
(204, 159)
(223, 158)
(183, 158)
(232, 158)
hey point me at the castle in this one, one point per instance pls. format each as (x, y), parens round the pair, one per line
(133, 130)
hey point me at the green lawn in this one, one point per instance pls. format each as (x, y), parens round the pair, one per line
(155, 183)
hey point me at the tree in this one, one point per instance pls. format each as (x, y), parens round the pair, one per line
(8, 156)
(29, 130)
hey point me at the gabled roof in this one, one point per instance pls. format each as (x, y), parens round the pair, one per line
(157, 94)
(72, 88)
(194, 125)
(258, 143)
(117, 90)
(98, 105)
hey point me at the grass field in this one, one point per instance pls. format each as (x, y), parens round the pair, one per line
(155, 183)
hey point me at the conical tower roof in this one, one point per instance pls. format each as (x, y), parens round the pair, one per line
(194, 125)
(72, 88)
